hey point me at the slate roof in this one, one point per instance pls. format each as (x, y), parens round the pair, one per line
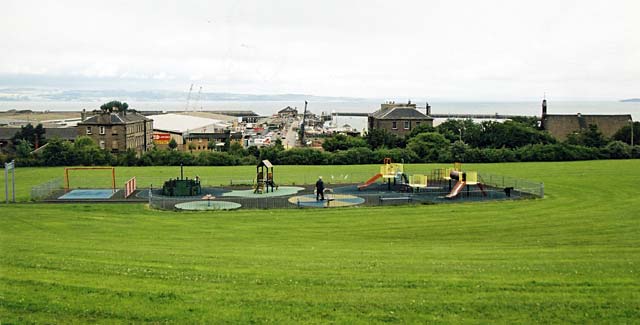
(62, 133)
(8, 133)
(287, 109)
(49, 133)
(400, 113)
(115, 118)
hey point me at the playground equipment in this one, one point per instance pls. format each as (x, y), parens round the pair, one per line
(264, 180)
(181, 186)
(130, 186)
(463, 179)
(417, 182)
(388, 171)
(67, 186)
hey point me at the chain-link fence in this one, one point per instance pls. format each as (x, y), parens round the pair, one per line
(344, 188)
(46, 189)
(517, 185)
(438, 191)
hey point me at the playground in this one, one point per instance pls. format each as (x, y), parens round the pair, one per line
(390, 186)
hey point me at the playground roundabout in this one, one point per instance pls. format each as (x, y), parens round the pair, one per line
(331, 201)
(250, 193)
(207, 205)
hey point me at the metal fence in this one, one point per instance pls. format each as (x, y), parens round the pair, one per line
(499, 189)
(495, 187)
(517, 184)
(46, 189)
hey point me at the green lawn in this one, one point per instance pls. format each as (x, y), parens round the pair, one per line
(573, 256)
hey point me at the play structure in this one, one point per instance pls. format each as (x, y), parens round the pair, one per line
(67, 181)
(463, 179)
(388, 171)
(264, 178)
(181, 186)
(395, 187)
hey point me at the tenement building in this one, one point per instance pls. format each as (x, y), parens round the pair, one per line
(119, 131)
(399, 119)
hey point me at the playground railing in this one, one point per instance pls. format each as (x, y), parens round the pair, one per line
(45, 190)
(515, 184)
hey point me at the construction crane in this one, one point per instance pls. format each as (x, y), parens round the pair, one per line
(304, 116)
(198, 99)
(189, 98)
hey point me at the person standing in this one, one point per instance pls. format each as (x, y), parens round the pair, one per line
(320, 189)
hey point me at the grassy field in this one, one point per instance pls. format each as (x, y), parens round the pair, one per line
(573, 256)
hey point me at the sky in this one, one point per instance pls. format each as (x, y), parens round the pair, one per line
(455, 50)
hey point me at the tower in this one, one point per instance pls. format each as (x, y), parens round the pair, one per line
(544, 113)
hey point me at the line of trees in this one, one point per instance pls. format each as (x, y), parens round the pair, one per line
(453, 140)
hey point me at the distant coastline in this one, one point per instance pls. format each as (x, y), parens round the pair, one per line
(630, 100)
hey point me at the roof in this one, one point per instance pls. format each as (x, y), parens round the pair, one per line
(400, 113)
(114, 118)
(62, 133)
(265, 163)
(219, 135)
(8, 133)
(287, 110)
(179, 123)
(49, 133)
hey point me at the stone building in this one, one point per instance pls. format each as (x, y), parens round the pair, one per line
(561, 125)
(288, 112)
(398, 119)
(119, 131)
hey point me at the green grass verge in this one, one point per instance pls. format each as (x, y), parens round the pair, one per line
(573, 256)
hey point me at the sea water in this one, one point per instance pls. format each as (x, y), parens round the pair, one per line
(267, 108)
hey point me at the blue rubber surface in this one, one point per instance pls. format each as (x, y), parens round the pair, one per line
(88, 194)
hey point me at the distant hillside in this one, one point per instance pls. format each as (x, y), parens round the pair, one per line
(631, 100)
(34, 94)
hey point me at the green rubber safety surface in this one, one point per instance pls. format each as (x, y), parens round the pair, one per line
(331, 201)
(281, 191)
(208, 205)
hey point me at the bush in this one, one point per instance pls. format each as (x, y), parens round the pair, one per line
(396, 155)
(355, 156)
(427, 146)
(618, 150)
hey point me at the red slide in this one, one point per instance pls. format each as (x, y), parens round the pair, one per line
(456, 189)
(370, 181)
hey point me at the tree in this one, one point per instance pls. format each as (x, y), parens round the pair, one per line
(428, 145)
(342, 142)
(114, 104)
(34, 135)
(381, 138)
(589, 137)
(422, 128)
(624, 134)
(460, 130)
(23, 148)
(191, 147)
(173, 144)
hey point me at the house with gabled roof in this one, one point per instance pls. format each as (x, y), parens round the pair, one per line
(119, 131)
(399, 118)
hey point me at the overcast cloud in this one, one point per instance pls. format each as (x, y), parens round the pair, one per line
(484, 50)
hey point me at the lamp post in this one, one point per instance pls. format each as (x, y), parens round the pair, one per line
(631, 121)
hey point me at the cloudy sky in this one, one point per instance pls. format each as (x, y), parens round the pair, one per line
(465, 49)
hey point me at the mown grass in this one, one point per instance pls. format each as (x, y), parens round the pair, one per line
(570, 257)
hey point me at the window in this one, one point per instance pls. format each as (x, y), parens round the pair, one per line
(417, 123)
(394, 125)
(101, 144)
(114, 130)
(88, 130)
(102, 130)
(406, 125)
(114, 144)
